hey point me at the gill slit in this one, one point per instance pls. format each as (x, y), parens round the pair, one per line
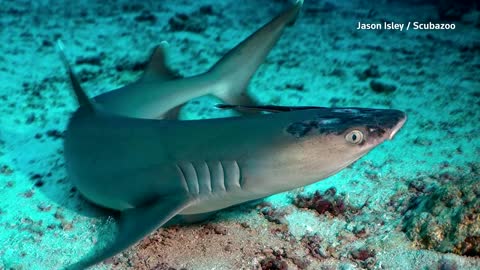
(196, 182)
(239, 173)
(182, 175)
(209, 179)
(223, 175)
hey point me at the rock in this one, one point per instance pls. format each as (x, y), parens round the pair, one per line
(31, 118)
(146, 16)
(94, 60)
(6, 170)
(206, 10)
(217, 229)
(274, 215)
(132, 7)
(446, 218)
(190, 23)
(47, 43)
(362, 254)
(295, 86)
(273, 264)
(39, 183)
(301, 263)
(370, 72)
(315, 246)
(55, 134)
(382, 87)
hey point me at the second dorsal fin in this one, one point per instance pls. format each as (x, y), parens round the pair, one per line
(157, 68)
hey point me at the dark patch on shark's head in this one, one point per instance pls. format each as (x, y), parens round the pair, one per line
(373, 123)
(300, 129)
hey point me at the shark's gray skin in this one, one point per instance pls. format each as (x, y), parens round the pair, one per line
(121, 156)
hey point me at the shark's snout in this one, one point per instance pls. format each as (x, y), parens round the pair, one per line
(398, 126)
(384, 122)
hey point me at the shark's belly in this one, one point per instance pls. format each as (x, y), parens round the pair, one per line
(218, 201)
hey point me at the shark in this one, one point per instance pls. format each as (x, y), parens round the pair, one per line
(124, 153)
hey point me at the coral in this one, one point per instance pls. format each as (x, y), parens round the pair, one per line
(328, 202)
(446, 217)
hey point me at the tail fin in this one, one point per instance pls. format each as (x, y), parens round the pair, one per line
(236, 68)
(80, 94)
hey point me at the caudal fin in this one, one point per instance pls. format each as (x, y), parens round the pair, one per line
(80, 94)
(236, 68)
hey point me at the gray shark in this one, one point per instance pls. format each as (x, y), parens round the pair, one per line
(121, 156)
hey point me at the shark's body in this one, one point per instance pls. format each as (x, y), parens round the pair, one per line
(121, 156)
(216, 162)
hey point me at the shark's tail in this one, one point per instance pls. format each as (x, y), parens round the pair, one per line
(234, 71)
(80, 94)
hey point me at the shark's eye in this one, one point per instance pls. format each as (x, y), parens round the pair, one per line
(354, 136)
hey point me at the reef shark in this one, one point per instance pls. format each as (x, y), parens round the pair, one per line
(121, 154)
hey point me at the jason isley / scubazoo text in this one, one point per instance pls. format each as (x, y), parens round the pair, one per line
(406, 26)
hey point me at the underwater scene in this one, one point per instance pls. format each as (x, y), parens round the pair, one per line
(254, 134)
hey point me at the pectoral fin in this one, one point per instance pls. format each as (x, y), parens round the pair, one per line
(134, 224)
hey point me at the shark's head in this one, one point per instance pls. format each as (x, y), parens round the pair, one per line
(333, 138)
(355, 131)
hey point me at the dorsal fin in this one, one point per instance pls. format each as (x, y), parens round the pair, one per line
(80, 94)
(266, 108)
(157, 68)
